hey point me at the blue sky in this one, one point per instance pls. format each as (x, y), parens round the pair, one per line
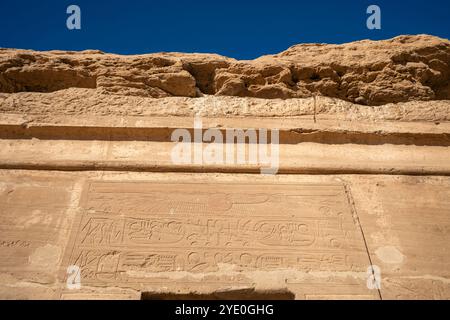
(240, 29)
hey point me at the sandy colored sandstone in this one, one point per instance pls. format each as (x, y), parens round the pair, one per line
(405, 68)
(86, 176)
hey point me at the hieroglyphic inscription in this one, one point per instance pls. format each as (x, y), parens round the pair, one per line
(145, 228)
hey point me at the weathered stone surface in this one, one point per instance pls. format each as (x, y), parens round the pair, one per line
(79, 102)
(402, 69)
(406, 239)
(87, 178)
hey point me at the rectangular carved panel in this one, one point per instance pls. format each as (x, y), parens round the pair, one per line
(148, 231)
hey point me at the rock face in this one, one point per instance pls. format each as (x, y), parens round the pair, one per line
(402, 69)
(94, 206)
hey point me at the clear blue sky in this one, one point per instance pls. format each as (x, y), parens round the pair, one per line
(240, 29)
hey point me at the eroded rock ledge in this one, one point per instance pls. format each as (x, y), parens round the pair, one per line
(405, 68)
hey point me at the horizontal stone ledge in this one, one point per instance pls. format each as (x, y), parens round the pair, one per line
(137, 166)
(306, 123)
(290, 131)
(307, 157)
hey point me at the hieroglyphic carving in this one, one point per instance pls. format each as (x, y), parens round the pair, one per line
(202, 231)
(101, 265)
(14, 243)
(132, 229)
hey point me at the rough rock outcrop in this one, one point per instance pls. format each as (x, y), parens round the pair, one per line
(402, 69)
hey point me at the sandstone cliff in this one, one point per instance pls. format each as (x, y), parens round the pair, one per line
(401, 69)
(87, 178)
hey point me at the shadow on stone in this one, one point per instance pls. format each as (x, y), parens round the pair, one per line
(241, 294)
